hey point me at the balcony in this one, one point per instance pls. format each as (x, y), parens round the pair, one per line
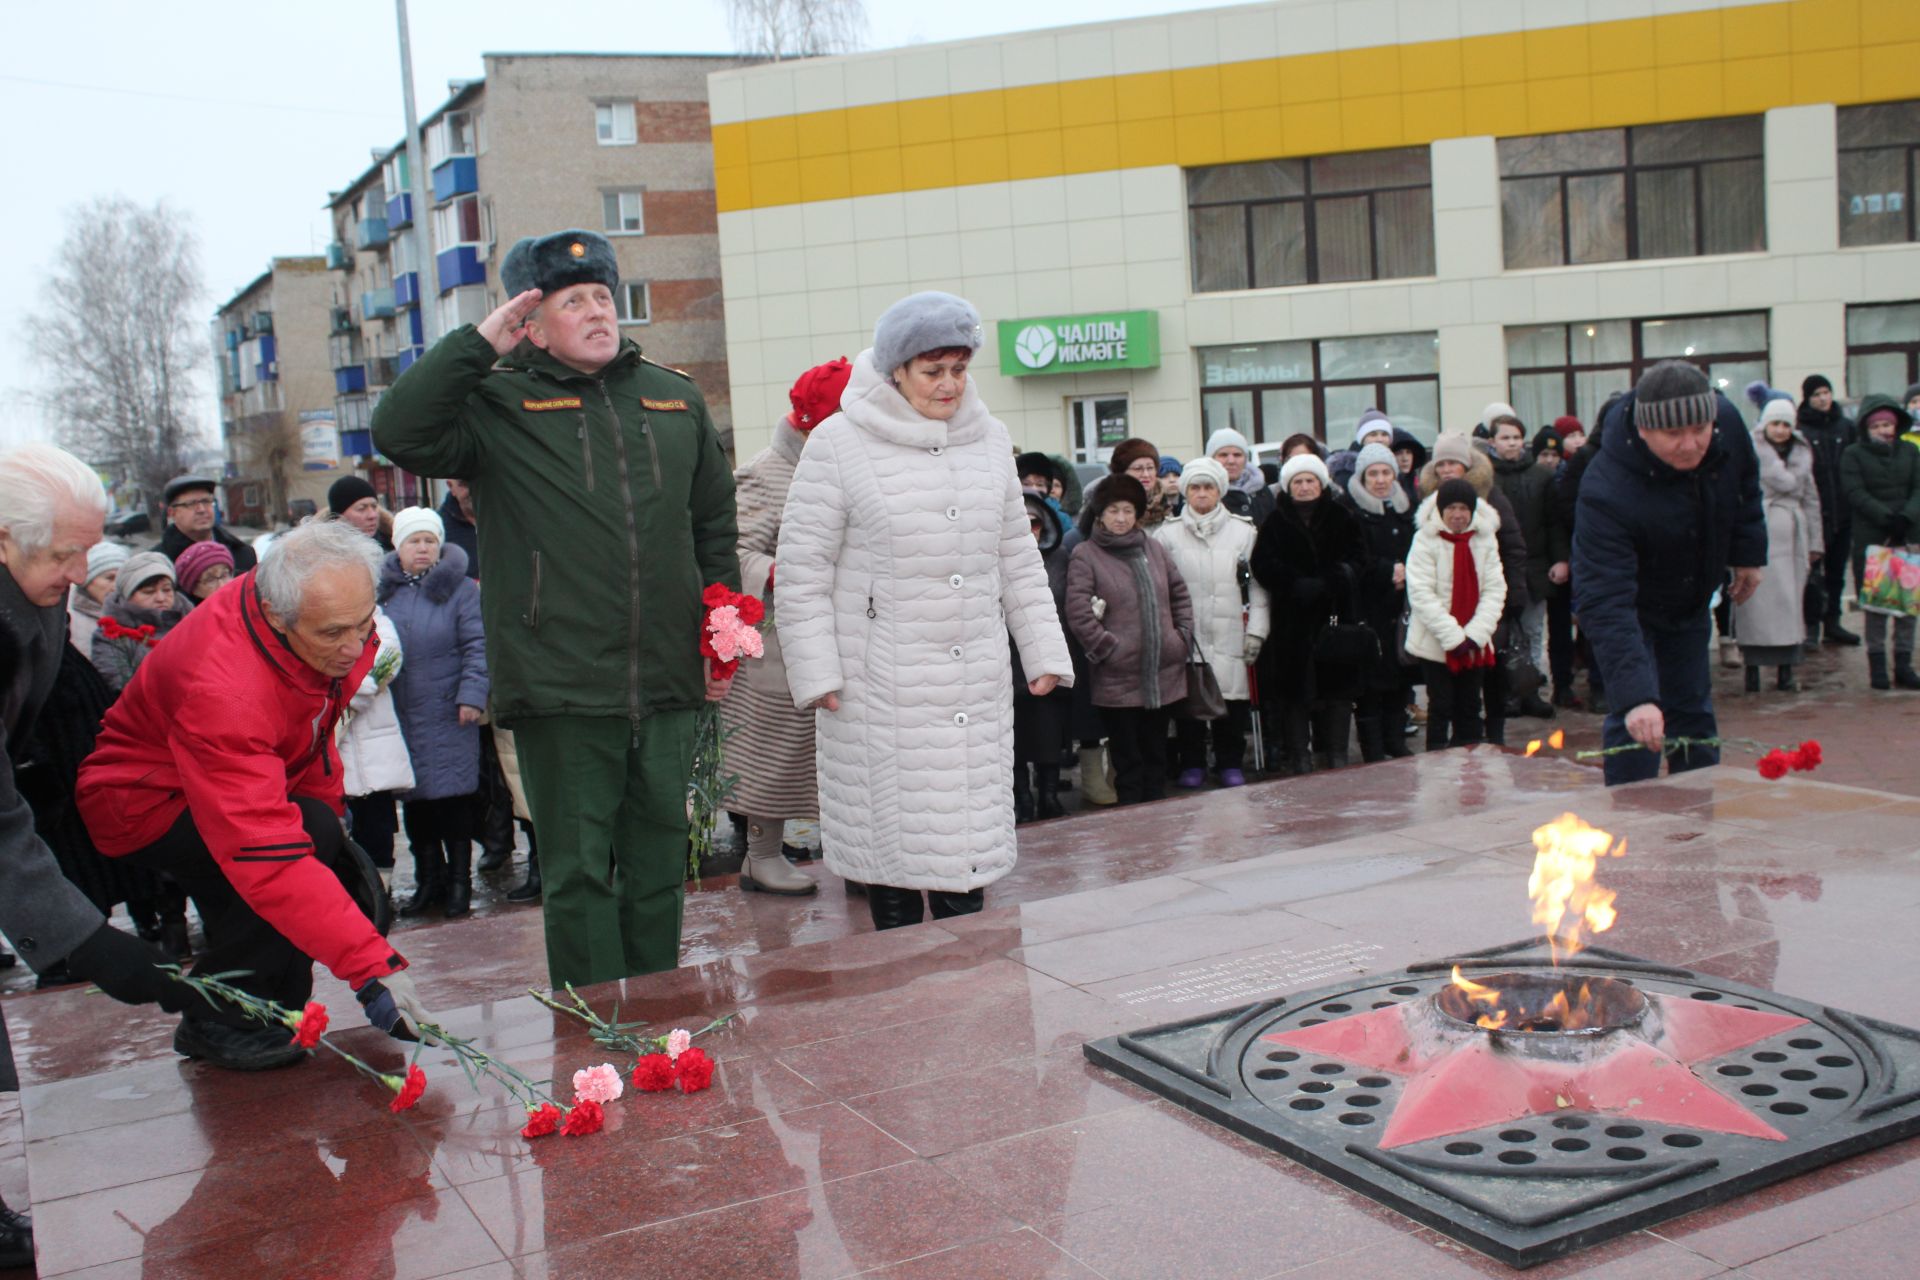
(380, 371)
(406, 289)
(404, 361)
(350, 379)
(460, 265)
(339, 257)
(233, 339)
(266, 360)
(372, 233)
(412, 328)
(340, 320)
(357, 443)
(400, 210)
(376, 304)
(455, 176)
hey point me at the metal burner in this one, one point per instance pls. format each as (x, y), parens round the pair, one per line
(1526, 1142)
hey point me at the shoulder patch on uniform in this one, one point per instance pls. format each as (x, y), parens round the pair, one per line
(669, 368)
(547, 406)
(664, 406)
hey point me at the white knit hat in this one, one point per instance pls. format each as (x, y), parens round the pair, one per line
(104, 556)
(1303, 462)
(1775, 411)
(1226, 437)
(411, 520)
(1205, 471)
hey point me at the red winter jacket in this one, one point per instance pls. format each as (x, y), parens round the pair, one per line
(225, 719)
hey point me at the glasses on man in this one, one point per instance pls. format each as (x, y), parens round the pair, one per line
(193, 504)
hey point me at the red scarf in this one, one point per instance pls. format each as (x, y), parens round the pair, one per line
(1466, 598)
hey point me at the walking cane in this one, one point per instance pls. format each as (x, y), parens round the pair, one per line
(1245, 576)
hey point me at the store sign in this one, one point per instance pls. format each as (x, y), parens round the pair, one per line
(319, 441)
(1080, 344)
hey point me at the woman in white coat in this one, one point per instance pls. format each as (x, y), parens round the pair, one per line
(1211, 546)
(1768, 625)
(1455, 592)
(373, 755)
(905, 560)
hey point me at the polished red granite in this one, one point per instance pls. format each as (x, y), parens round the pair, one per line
(916, 1104)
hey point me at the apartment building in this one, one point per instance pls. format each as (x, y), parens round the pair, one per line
(617, 143)
(1276, 215)
(276, 385)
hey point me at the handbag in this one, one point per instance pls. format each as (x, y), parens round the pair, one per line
(1890, 582)
(1346, 644)
(1400, 629)
(1204, 701)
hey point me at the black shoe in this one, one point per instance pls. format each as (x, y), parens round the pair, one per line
(1877, 671)
(16, 1239)
(1783, 680)
(1564, 696)
(1753, 679)
(236, 1048)
(1904, 676)
(855, 888)
(429, 880)
(529, 891)
(56, 976)
(1022, 800)
(494, 859)
(8, 959)
(459, 878)
(1536, 706)
(1837, 634)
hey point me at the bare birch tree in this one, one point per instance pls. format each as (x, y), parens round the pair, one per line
(121, 341)
(797, 28)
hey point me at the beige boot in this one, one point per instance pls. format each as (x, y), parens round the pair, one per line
(766, 869)
(1096, 777)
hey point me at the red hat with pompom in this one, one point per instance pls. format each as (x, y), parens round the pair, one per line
(816, 393)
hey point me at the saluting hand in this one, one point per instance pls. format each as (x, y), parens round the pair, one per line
(508, 324)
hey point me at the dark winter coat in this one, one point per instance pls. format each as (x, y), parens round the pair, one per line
(1410, 480)
(1256, 504)
(1388, 528)
(438, 619)
(1042, 727)
(1651, 544)
(173, 542)
(1529, 490)
(1311, 559)
(609, 508)
(116, 658)
(1882, 485)
(1830, 433)
(461, 534)
(1136, 651)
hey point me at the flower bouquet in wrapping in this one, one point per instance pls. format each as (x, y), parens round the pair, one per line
(729, 632)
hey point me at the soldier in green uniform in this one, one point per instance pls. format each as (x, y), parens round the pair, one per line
(609, 507)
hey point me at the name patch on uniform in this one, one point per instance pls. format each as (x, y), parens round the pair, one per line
(545, 406)
(664, 406)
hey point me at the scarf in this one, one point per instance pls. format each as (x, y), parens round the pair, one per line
(1466, 600)
(1252, 479)
(1204, 526)
(1131, 548)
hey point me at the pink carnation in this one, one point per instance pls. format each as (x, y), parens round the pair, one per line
(732, 638)
(677, 1041)
(597, 1084)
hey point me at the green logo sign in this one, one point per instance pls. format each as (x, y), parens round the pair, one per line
(1080, 344)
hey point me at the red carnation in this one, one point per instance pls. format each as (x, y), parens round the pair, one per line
(752, 611)
(694, 1069)
(585, 1117)
(313, 1024)
(1775, 764)
(541, 1121)
(715, 596)
(1806, 757)
(410, 1091)
(653, 1073)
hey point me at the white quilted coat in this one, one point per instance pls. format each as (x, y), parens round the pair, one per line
(1208, 551)
(905, 559)
(1431, 630)
(373, 754)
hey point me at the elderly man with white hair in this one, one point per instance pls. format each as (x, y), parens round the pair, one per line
(218, 767)
(52, 508)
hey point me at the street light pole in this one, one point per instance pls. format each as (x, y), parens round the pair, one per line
(429, 268)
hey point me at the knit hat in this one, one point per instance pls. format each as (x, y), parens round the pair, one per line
(1912, 391)
(559, 261)
(1566, 424)
(1760, 393)
(1203, 471)
(1548, 440)
(346, 491)
(1496, 411)
(1777, 411)
(1169, 465)
(1814, 382)
(1303, 464)
(1452, 446)
(1374, 454)
(1371, 421)
(411, 520)
(815, 396)
(104, 556)
(1671, 395)
(1035, 464)
(1130, 451)
(1118, 487)
(919, 322)
(194, 562)
(1227, 437)
(1453, 492)
(141, 568)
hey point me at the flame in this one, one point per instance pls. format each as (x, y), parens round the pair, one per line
(1533, 747)
(1557, 739)
(1496, 1016)
(1506, 1011)
(1566, 901)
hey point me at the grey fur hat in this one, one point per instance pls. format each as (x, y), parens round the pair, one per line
(141, 568)
(555, 262)
(930, 321)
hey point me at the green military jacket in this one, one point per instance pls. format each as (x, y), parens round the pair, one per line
(604, 506)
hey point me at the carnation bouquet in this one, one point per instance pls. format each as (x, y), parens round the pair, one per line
(729, 631)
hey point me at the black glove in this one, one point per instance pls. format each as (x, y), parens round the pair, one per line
(127, 969)
(1897, 531)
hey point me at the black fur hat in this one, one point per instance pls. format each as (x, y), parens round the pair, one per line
(552, 263)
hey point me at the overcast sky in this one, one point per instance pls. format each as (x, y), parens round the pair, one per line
(244, 116)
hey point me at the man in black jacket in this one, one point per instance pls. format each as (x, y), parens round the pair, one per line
(1669, 504)
(191, 518)
(1829, 431)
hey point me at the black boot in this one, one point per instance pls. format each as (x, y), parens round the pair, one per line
(1297, 760)
(530, 891)
(429, 879)
(1877, 671)
(1393, 733)
(1332, 735)
(1372, 748)
(16, 1239)
(459, 878)
(1047, 792)
(1753, 679)
(1022, 795)
(893, 908)
(1837, 634)
(1783, 680)
(1903, 673)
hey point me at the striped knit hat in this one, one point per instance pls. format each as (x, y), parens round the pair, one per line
(1671, 395)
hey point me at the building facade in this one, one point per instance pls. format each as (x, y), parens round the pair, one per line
(617, 143)
(1276, 215)
(277, 423)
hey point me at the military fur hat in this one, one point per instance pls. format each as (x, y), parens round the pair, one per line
(552, 263)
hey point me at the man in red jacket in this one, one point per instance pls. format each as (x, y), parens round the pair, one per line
(217, 766)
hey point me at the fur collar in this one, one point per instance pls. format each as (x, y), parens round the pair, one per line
(872, 403)
(440, 582)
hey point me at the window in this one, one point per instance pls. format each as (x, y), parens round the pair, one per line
(1655, 191)
(1883, 350)
(1556, 369)
(613, 123)
(1363, 216)
(457, 222)
(1879, 152)
(373, 203)
(352, 413)
(620, 212)
(631, 302)
(395, 176)
(1268, 391)
(451, 135)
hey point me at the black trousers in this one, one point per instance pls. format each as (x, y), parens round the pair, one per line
(1453, 705)
(432, 821)
(1229, 738)
(239, 941)
(893, 908)
(1137, 741)
(1560, 643)
(373, 821)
